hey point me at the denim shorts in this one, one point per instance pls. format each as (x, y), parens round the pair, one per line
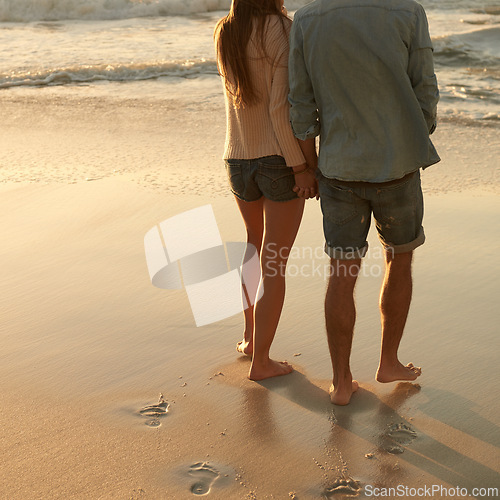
(397, 208)
(268, 176)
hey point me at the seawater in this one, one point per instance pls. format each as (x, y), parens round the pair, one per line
(158, 47)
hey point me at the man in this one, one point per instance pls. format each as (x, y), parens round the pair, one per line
(362, 78)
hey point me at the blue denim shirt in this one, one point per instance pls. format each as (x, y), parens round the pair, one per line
(362, 78)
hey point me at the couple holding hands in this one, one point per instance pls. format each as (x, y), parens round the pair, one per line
(359, 74)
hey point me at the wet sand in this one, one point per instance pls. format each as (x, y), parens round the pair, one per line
(87, 341)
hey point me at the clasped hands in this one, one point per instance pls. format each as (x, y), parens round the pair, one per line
(306, 185)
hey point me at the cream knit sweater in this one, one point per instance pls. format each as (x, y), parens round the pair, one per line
(263, 129)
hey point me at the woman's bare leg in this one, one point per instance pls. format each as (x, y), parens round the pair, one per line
(253, 217)
(281, 223)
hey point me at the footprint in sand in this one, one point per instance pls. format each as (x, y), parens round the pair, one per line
(155, 412)
(399, 435)
(205, 476)
(342, 487)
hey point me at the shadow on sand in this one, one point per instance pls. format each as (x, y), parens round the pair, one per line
(378, 421)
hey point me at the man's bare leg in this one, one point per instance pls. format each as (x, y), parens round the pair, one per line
(395, 298)
(340, 315)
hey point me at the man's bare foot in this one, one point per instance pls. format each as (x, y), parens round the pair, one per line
(341, 395)
(245, 347)
(386, 373)
(268, 369)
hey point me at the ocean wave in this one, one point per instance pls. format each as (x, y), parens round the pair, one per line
(470, 119)
(113, 73)
(476, 48)
(58, 10)
(477, 6)
(493, 10)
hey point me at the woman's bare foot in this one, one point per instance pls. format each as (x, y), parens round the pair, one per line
(245, 347)
(341, 394)
(391, 373)
(268, 369)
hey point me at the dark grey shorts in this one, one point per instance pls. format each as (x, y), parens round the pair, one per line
(268, 176)
(397, 208)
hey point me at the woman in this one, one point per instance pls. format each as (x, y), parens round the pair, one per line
(264, 162)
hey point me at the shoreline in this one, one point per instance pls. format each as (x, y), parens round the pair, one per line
(177, 143)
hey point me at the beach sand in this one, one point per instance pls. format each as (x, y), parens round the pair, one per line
(88, 341)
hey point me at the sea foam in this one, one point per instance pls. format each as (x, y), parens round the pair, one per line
(109, 72)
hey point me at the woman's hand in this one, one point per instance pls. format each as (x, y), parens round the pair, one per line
(306, 185)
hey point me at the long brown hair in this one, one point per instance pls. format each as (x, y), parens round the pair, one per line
(231, 35)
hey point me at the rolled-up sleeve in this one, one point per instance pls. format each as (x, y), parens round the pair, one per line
(304, 116)
(421, 69)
